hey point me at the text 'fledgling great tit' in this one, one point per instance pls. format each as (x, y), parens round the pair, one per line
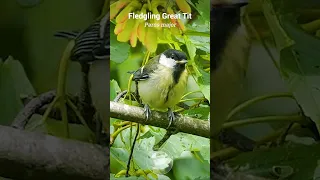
(162, 82)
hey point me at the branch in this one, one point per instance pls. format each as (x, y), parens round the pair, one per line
(182, 123)
(38, 105)
(30, 105)
(32, 156)
(31, 108)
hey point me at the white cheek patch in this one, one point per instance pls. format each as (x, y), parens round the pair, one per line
(168, 62)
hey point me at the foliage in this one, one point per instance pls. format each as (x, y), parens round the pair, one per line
(190, 153)
(294, 27)
(36, 70)
(14, 85)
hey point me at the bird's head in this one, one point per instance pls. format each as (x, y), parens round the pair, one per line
(172, 58)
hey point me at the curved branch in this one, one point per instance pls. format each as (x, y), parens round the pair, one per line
(31, 108)
(159, 119)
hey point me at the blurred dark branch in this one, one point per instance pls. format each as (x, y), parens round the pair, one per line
(231, 152)
(159, 119)
(223, 172)
(235, 139)
(31, 156)
(31, 108)
(38, 105)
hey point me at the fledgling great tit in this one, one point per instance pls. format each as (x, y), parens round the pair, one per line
(92, 51)
(230, 47)
(162, 82)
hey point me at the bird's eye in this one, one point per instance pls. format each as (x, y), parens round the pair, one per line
(172, 56)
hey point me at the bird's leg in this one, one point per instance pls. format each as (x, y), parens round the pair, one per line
(171, 117)
(147, 111)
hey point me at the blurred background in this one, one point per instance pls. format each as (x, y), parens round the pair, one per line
(26, 35)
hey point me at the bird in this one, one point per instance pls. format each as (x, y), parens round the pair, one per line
(230, 46)
(92, 51)
(162, 82)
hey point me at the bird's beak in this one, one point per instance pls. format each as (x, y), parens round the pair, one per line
(182, 62)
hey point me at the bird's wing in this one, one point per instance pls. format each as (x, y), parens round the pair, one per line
(92, 43)
(143, 73)
(67, 35)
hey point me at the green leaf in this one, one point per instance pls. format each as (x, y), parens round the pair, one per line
(280, 36)
(299, 61)
(190, 47)
(118, 158)
(119, 51)
(114, 89)
(204, 84)
(180, 142)
(54, 127)
(175, 145)
(262, 162)
(14, 85)
(131, 64)
(199, 113)
(189, 167)
(203, 7)
(305, 88)
(201, 42)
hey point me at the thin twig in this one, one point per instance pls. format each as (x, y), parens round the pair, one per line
(131, 151)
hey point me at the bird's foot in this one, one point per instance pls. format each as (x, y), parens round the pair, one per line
(171, 117)
(147, 111)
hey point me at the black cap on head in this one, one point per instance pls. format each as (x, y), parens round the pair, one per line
(175, 54)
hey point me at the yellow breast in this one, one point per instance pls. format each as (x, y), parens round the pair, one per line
(157, 92)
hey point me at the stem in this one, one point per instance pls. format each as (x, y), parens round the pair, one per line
(61, 88)
(255, 100)
(64, 115)
(179, 110)
(146, 58)
(47, 112)
(78, 114)
(149, 5)
(131, 151)
(231, 151)
(105, 8)
(311, 26)
(130, 138)
(190, 93)
(120, 124)
(192, 99)
(129, 88)
(117, 132)
(293, 118)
